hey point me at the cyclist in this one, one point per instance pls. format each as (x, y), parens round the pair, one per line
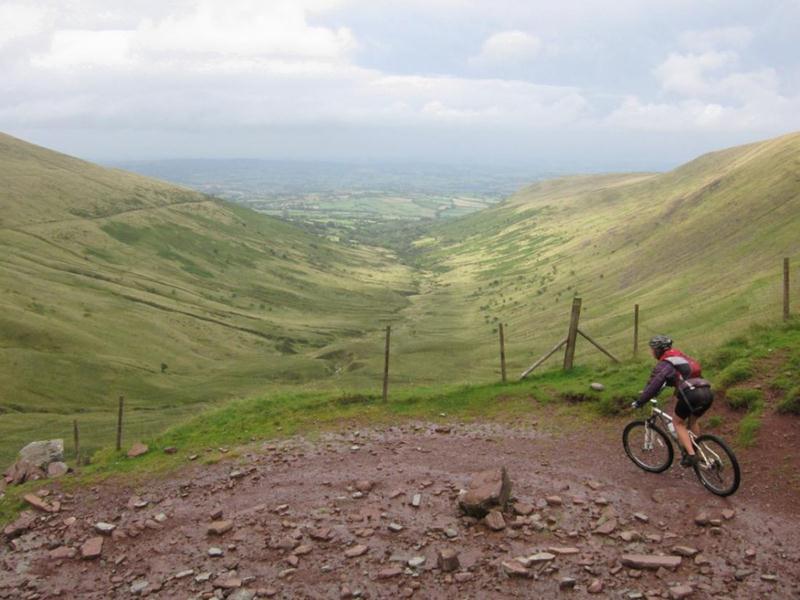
(693, 395)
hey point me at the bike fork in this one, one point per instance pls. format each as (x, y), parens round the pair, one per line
(648, 436)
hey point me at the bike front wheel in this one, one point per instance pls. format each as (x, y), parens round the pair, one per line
(647, 446)
(717, 467)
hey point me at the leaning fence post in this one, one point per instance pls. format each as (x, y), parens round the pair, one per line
(386, 365)
(572, 336)
(119, 422)
(785, 289)
(502, 354)
(76, 437)
(635, 330)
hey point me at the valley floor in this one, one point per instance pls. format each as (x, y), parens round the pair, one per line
(298, 508)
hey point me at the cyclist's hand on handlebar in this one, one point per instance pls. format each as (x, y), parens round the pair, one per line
(635, 404)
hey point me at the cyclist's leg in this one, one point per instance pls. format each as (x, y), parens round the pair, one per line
(679, 418)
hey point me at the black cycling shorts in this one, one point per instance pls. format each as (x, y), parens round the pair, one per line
(693, 402)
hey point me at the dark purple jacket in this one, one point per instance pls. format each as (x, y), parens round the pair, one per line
(662, 374)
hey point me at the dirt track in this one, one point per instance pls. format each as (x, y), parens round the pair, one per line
(281, 499)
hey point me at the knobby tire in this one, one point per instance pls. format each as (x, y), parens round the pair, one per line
(632, 439)
(713, 478)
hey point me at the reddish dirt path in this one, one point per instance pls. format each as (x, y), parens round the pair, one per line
(282, 496)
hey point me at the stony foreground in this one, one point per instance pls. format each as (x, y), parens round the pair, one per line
(373, 514)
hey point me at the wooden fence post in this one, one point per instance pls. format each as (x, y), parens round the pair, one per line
(119, 423)
(76, 437)
(785, 289)
(572, 336)
(635, 331)
(386, 365)
(502, 354)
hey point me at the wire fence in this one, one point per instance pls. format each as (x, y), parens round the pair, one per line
(84, 433)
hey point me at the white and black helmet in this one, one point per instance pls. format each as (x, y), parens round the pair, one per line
(661, 343)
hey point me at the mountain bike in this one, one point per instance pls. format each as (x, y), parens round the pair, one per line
(649, 447)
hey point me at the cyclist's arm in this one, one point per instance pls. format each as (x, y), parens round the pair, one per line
(662, 373)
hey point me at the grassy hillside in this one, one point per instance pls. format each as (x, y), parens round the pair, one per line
(112, 283)
(116, 284)
(700, 250)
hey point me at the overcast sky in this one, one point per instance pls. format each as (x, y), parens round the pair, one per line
(605, 84)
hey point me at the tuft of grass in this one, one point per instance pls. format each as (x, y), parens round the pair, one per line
(743, 398)
(738, 371)
(714, 421)
(748, 428)
(791, 402)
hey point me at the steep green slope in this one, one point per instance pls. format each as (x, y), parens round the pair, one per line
(699, 249)
(111, 284)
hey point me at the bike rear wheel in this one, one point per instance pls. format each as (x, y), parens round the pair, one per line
(647, 446)
(717, 467)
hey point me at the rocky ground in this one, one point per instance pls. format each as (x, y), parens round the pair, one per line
(373, 514)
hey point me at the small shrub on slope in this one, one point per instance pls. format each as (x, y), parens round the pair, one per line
(791, 403)
(745, 398)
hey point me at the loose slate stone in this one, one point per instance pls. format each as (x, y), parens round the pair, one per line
(513, 568)
(649, 561)
(215, 552)
(37, 503)
(416, 500)
(138, 586)
(495, 521)
(597, 387)
(554, 500)
(596, 587)
(219, 527)
(92, 548)
(356, 551)
(184, 574)
(487, 490)
(390, 572)
(303, 550)
(630, 536)
(679, 592)
(541, 557)
(395, 527)
(566, 583)
(321, 535)
(701, 519)
(564, 550)
(447, 559)
(687, 551)
(641, 517)
(62, 553)
(228, 583)
(728, 514)
(523, 508)
(416, 562)
(606, 528)
(138, 449)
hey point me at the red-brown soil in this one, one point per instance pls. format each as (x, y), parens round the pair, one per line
(280, 496)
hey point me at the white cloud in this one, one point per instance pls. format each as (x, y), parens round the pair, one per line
(18, 21)
(86, 48)
(687, 74)
(194, 66)
(506, 47)
(633, 114)
(713, 75)
(712, 39)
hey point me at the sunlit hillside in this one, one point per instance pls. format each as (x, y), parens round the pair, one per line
(114, 284)
(700, 249)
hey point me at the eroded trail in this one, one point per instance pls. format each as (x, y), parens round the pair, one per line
(335, 518)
